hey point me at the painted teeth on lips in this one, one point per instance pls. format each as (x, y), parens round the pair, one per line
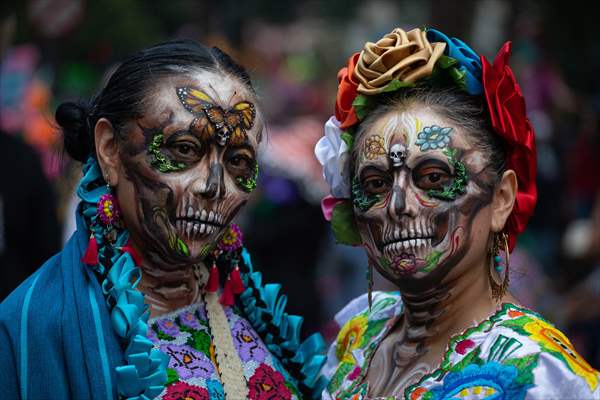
(410, 236)
(409, 246)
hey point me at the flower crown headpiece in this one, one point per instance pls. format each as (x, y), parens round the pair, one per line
(399, 60)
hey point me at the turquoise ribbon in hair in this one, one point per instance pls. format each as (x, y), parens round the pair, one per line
(144, 375)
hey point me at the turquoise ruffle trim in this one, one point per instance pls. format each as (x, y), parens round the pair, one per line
(145, 375)
(265, 310)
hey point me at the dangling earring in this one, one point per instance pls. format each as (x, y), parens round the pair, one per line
(230, 247)
(498, 290)
(108, 214)
(370, 284)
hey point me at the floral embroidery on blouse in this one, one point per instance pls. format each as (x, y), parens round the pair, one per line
(193, 370)
(514, 354)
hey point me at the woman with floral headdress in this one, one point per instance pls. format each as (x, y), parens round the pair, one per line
(154, 295)
(431, 162)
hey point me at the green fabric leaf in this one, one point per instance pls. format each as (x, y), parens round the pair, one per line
(344, 225)
(394, 85)
(361, 106)
(446, 62)
(348, 139)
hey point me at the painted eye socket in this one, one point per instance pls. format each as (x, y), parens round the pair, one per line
(240, 163)
(430, 177)
(375, 184)
(185, 150)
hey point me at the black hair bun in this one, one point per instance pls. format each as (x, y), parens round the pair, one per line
(73, 120)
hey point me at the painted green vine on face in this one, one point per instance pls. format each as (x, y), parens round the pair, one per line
(361, 200)
(159, 160)
(248, 184)
(432, 260)
(459, 183)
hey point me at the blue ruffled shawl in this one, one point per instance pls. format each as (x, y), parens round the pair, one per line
(56, 338)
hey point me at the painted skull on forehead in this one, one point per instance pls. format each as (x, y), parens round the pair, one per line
(418, 186)
(191, 160)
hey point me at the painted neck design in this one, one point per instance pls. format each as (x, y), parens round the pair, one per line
(430, 318)
(166, 291)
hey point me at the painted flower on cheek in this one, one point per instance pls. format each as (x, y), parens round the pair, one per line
(404, 264)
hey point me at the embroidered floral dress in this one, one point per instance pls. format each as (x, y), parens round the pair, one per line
(514, 354)
(193, 374)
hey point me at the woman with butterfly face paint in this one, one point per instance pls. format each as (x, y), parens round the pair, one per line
(155, 295)
(431, 162)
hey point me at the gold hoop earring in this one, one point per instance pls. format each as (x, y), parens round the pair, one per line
(498, 290)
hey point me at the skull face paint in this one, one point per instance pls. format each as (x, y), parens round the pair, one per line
(183, 187)
(415, 202)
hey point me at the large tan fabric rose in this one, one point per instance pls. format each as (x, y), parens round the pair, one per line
(406, 56)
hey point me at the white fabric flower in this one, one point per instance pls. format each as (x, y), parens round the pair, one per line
(333, 154)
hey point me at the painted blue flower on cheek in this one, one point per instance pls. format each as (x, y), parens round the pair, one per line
(433, 137)
(490, 381)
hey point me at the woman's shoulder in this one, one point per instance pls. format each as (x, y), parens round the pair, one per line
(383, 305)
(516, 352)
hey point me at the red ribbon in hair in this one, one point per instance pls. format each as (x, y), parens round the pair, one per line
(507, 110)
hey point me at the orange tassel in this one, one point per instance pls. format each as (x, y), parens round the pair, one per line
(137, 259)
(227, 295)
(213, 279)
(237, 286)
(91, 254)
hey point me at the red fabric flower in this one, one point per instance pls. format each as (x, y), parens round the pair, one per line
(344, 112)
(184, 391)
(507, 110)
(268, 384)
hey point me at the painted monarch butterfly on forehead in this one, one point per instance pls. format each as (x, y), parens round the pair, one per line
(212, 121)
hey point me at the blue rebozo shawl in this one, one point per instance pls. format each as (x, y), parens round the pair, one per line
(56, 338)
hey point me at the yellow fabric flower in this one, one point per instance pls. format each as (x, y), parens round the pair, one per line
(350, 338)
(551, 339)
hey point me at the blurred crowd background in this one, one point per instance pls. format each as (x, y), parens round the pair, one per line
(54, 50)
